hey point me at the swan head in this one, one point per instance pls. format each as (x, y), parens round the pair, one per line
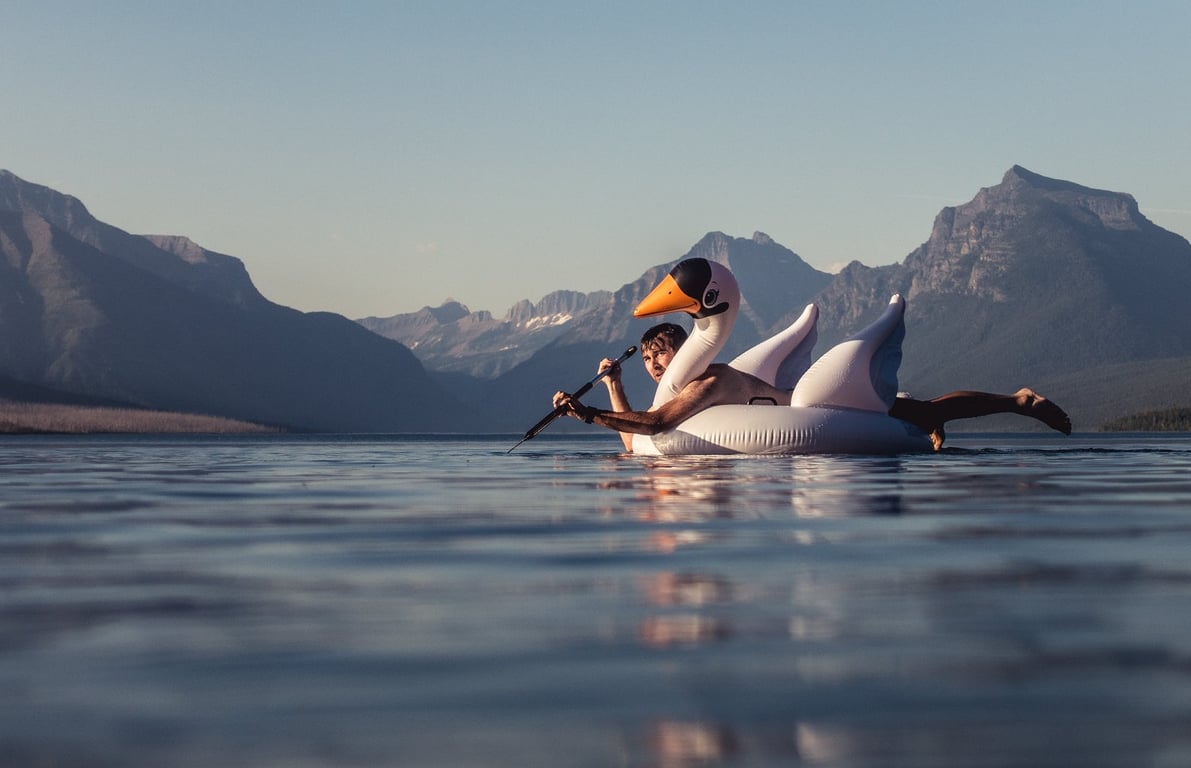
(699, 287)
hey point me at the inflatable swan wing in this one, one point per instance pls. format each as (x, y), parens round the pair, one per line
(860, 372)
(782, 359)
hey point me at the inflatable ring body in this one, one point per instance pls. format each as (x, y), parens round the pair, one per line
(779, 430)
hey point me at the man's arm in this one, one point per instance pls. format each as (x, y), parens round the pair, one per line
(694, 397)
(617, 396)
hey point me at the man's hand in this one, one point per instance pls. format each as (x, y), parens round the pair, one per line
(574, 408)
(613, 369)
(564, 400)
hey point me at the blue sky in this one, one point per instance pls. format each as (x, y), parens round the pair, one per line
(371, 158)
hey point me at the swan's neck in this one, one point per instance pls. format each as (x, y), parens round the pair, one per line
(707, 338)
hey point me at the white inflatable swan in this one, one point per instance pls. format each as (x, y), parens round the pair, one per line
(840, 404)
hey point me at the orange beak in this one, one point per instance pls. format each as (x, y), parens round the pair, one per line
(665, 298)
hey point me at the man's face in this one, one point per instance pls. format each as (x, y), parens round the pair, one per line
(657, 356)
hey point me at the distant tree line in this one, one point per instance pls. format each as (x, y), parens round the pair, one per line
(1165, 420)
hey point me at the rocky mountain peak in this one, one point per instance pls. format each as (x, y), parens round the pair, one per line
(59, 209)
(1018, 175)
(714, 246)
(173, 258)
(449, 311)
(1113, 210)
(972, 246)
(91, 311)
(183, 247)
(554, 308)
(520, 312)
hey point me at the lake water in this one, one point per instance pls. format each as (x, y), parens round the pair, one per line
(314, 601)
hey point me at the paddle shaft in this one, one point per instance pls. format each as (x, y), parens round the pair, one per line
(580, 392)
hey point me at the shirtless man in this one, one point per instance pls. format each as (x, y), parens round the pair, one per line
(723, 385)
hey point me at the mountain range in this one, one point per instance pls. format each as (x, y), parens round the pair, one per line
(93, 313)
(1035, 281)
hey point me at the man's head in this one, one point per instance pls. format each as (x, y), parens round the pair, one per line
(658, 346)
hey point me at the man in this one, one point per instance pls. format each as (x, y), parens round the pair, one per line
(723, 385)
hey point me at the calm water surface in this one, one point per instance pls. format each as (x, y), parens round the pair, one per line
(291, 601)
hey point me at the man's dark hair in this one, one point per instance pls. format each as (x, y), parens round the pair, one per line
(674, 334)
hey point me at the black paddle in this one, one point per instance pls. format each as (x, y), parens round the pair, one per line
(580, 392)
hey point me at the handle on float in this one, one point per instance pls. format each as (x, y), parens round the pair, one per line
(580, 392)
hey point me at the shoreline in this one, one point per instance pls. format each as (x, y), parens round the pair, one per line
(32, 418)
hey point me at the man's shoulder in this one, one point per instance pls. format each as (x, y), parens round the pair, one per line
(718, 372)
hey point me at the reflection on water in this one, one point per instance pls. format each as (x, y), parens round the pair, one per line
(677, 744)
(682, 629)
(688, 591)
(827, 487)
(358, 602)
(682, 744)
(668, 588)
(684, 489)
(692, 489)
(982, 620)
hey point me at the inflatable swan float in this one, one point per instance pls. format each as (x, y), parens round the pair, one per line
(840, 404)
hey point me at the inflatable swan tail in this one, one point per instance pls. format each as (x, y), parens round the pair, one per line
(782, 359)
(860, 372)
